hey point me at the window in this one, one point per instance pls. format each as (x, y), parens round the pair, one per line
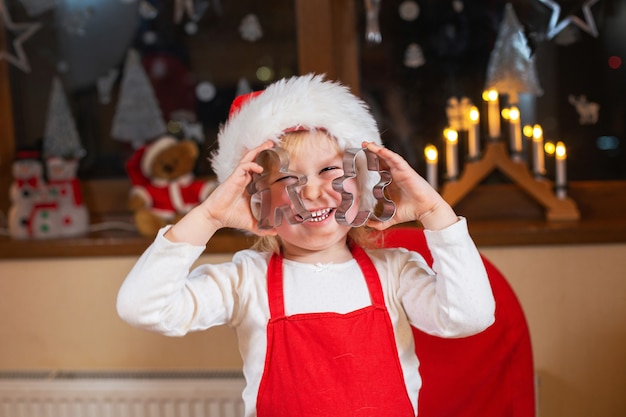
(324, 36)
(432, 51)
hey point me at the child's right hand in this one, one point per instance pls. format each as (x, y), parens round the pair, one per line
(229, 203)
(227, 206)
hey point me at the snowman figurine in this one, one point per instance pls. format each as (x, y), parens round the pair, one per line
(27, 191)
(70, 216)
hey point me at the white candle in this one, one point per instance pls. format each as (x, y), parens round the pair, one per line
(432, 157)
(452, 139)
(561, 171)
(538, 152)
(516, 132)
(493, 113)
(473, 133)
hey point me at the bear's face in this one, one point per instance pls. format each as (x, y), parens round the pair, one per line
(175, 161)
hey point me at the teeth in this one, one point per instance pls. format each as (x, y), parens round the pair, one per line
(319, 215)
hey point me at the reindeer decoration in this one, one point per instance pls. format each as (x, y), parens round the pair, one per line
(587, 110)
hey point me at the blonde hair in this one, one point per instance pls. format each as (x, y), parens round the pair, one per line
(293, 143)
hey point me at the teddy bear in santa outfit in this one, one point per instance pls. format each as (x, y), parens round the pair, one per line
(164, 186)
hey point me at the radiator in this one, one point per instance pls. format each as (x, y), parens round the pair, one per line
(121, 395)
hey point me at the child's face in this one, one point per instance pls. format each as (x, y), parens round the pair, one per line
(318, 158)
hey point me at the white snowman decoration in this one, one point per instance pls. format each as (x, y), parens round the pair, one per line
(71, 217)
(49, 208)
(27, 190)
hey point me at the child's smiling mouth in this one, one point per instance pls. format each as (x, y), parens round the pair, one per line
(320, 215)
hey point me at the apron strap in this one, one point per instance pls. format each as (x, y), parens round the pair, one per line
(370, 273)
(275, 293)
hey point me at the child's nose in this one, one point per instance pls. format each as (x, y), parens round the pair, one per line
(312, 190)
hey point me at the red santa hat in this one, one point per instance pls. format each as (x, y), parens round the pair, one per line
(296, 103)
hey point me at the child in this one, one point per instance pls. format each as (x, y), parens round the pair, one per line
(324, 326)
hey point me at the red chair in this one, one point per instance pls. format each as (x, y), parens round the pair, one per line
(486, 375)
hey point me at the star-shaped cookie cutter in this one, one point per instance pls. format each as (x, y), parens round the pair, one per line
(384, 209)
(275, 163)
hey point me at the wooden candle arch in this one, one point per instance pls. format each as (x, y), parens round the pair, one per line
(495, 157)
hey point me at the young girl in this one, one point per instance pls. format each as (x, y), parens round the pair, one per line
(323, 319)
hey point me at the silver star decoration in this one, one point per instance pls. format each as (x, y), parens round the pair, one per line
(182, 7)
(25, 30)
(555, 27)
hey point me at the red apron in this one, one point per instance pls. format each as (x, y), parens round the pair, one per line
(331, 364)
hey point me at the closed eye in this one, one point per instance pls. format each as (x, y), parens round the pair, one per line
(330, 168)
(286, 178)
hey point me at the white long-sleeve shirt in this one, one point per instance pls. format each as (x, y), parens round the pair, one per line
(453, 299)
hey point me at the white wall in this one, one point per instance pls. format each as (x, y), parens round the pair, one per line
(60, 314)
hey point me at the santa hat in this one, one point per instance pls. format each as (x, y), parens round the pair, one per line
(298, 103)
(152, 150)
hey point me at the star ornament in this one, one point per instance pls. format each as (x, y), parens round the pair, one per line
(22, 32)
(556, 26)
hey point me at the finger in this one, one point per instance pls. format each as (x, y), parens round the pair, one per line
(384, 153)
(251, 154)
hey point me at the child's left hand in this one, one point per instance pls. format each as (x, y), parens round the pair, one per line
(414, 197)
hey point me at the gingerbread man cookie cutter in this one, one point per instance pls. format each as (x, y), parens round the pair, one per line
(384, 208)
(275, 163)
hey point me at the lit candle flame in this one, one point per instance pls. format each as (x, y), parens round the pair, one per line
(431, 154)
(451, 135)
(560, 151)
(474, 115)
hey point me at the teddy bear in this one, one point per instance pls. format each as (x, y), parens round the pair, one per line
(164, 187)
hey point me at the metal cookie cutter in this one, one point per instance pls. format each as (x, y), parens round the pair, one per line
(275, 163)
(383, 209)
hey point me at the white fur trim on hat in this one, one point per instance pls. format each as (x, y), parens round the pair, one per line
(309, 102)
(153, 150)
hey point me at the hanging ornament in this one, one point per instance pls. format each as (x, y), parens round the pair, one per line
(149, 37)
(37, 7)
(243, 87)
(250, 28)
(414, 56)
(61, 138)
(138, 118)
(105, 84)
(147, 10)
(409, 10)
(458, 6)
(511, 69)
(22, 32)
(182, 8)
(555, 26)
(191, 28)
(372, 25)
(205, 91)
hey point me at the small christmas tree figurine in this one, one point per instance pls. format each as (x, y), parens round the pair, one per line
(61, 137)
(511, 69)
(138, 118)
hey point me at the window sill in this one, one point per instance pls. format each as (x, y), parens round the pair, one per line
(498, 215)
